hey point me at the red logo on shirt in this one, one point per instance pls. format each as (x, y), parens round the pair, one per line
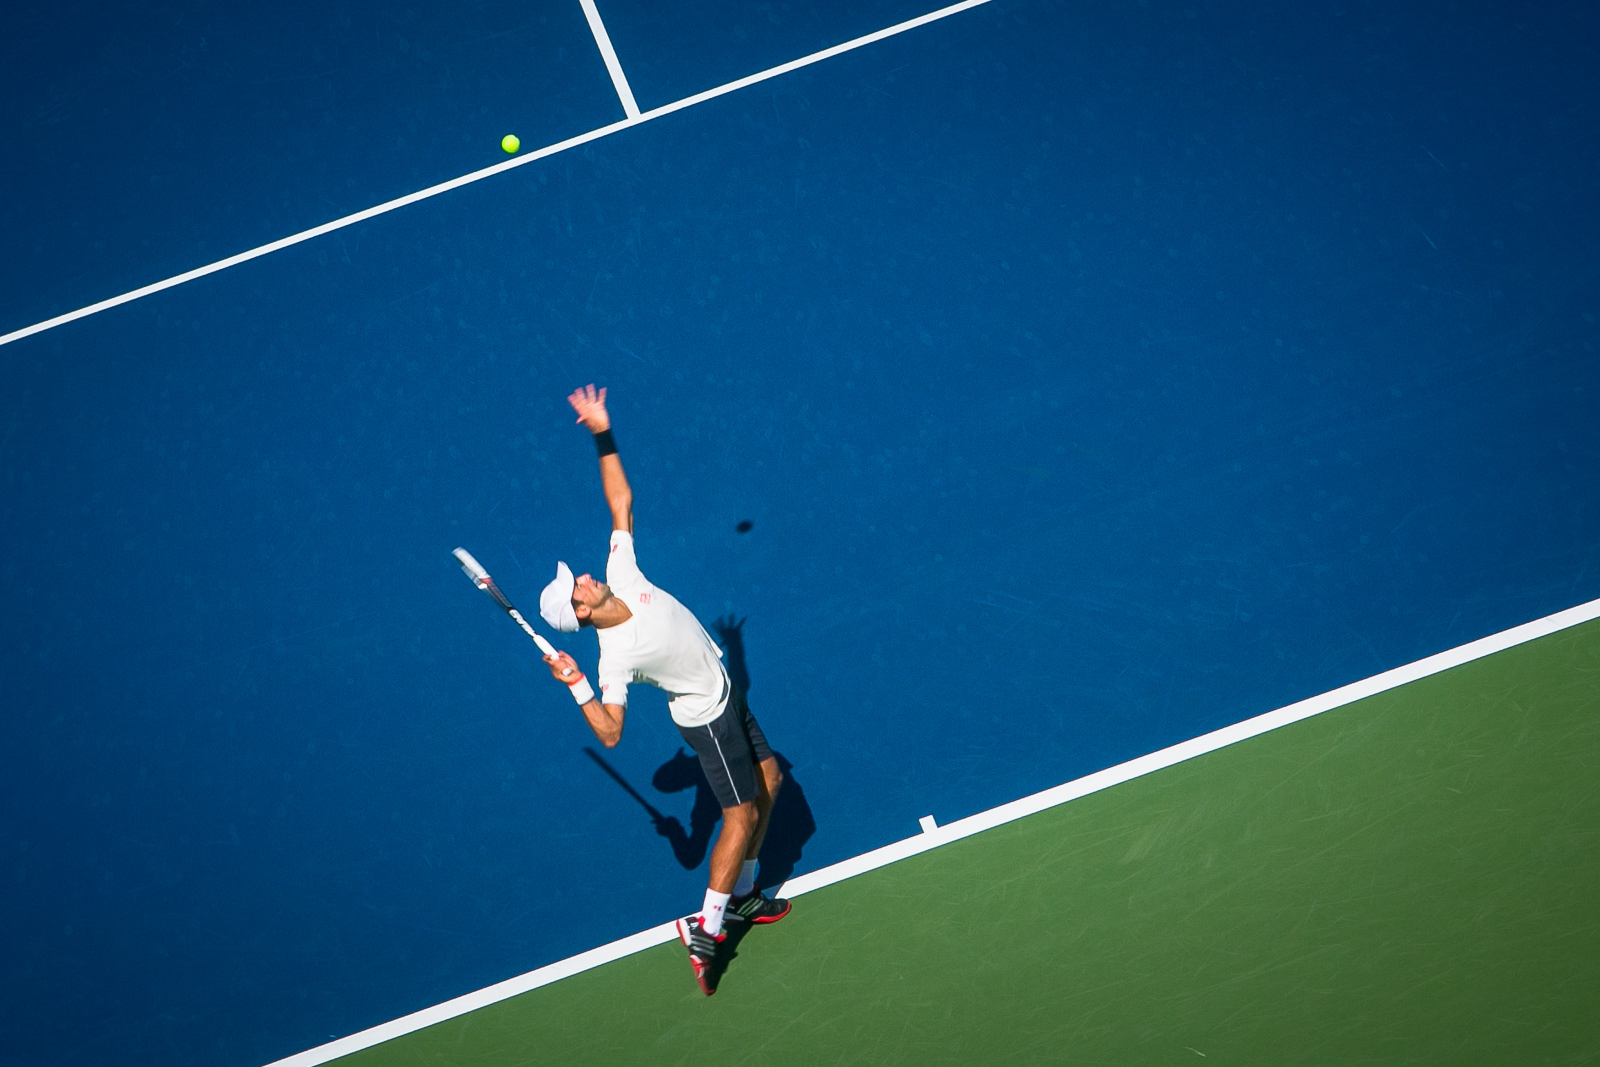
(644, 598)
(613, 548)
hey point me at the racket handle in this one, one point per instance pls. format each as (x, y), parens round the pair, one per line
(550, 650)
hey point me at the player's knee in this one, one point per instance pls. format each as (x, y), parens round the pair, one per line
(771, 775)
(769, 793)
(743, 816)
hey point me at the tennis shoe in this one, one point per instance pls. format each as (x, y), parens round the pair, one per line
(756, 909)
(702, 951)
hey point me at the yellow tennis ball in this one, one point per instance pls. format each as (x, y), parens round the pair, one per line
(510, 143)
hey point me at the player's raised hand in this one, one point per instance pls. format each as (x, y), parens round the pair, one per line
(590, 404)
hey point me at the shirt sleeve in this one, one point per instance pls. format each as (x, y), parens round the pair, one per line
(613, 686)
(622, 569)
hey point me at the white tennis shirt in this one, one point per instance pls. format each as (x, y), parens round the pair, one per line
(663, 645)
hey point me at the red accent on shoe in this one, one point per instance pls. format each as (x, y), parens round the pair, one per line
(760, 920)
(701, 972)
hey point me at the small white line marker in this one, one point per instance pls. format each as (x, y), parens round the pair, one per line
(635, 119)
(609, 54)
(984, 820)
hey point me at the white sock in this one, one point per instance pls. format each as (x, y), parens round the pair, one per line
(711, 913)
(747, 879)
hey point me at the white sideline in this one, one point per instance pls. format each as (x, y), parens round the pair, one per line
(635, 119)
(933, 836)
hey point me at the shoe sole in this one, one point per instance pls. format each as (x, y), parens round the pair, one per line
(765, 919)
(761, 920)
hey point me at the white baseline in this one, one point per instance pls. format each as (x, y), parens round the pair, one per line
(635, 118)
(933, 836)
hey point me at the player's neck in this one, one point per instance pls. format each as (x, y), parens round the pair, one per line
(611, 613)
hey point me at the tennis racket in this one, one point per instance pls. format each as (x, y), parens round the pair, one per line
(481, 579)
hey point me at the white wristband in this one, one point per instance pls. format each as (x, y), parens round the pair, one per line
(582, 691)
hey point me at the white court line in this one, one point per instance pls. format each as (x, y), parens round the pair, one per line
(488, 172)
(609, 54)
(933, 836)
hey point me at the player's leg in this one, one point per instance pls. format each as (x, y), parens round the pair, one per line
(733, 843)
(730, 768)
(746, 904)
(770, 781)
(769, 775)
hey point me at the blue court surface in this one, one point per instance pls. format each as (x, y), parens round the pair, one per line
(1091, 376)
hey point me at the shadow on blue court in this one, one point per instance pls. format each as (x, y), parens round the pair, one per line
(1092, 377)
(790, 826)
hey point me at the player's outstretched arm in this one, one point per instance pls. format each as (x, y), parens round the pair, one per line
(590, 404)
(604, 719)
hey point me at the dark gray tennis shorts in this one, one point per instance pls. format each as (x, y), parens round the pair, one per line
(730, 746)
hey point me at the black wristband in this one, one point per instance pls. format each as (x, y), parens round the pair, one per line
(605, 444)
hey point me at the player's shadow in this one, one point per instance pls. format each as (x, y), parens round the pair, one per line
(682, 772)
(791, 824)
(788, 830)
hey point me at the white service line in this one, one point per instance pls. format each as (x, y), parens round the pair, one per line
(933, 835)
(609, 54)
(315, 231)
(636, 117)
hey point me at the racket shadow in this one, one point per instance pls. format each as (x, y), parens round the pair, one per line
(688, 846)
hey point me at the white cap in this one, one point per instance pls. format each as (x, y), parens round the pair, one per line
(555, 603)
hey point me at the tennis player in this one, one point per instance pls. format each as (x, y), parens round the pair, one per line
(647, 636)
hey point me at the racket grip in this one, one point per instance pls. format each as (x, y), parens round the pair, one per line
(550, 650)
